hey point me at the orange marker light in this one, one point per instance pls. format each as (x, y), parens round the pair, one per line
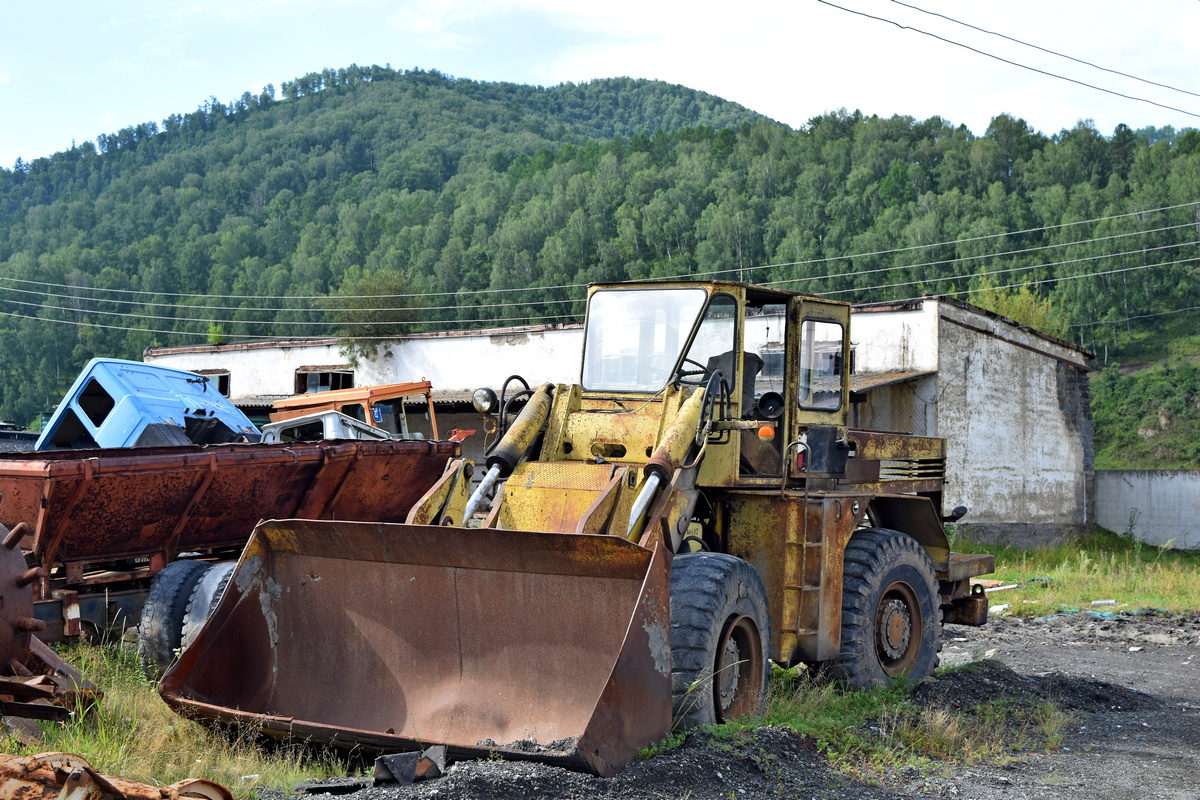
(766, 432)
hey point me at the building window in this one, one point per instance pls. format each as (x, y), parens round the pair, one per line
(323, 379)
(219, 378)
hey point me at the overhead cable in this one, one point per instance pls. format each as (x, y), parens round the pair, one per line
(1047, 50)
(472, 292)
(1021, 269)
(523, 303)
(1008, 61)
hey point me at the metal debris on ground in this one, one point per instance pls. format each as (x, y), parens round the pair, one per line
(63, 776)
(410, 767)
(333, 786)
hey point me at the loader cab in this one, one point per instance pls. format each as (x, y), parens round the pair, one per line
(782, 357)
(787, 376)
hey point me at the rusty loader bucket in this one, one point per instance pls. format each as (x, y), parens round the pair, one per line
(389, 637)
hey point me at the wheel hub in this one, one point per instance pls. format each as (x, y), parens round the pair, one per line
(738, 670)
(895, 629)
(729, 675)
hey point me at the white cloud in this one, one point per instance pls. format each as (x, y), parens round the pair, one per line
(5, 78)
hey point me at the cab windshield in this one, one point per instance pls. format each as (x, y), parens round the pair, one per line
(634, 337)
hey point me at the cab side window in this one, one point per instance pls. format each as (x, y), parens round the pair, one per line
(820, 365)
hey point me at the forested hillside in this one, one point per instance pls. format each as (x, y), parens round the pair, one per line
(476, 203)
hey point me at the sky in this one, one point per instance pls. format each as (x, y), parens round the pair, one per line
(70, 70)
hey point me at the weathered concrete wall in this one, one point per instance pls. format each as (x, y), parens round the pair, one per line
(459, 363)
(1014, 410)
(1159, 507)
(893, 341)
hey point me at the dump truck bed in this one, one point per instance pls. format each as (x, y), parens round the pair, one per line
(91, 509)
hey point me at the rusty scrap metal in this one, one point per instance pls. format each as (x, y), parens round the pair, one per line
(98, 506)
(34, 682)
(410, 767)
(17, 622)
(63, 776)
(538, 646)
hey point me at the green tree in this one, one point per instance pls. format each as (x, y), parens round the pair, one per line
(372, 309)
(1021, 304)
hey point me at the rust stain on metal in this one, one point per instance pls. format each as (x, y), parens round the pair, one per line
(142, 502)
(63, 776)
(588, 644)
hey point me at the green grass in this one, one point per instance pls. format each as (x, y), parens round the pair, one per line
(869, 735)
(1103, 566)
(132, 734)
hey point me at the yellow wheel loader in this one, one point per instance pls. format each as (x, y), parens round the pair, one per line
(693, 509)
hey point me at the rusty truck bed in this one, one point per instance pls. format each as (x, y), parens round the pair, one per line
(106, 516)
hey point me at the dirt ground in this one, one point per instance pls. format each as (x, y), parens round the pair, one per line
(1132, 685)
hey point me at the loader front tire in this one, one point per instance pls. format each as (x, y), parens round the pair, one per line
(720, 639)
(161, 627)
(204, 598)
(891, 614)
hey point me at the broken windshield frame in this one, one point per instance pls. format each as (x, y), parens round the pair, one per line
(634, 337)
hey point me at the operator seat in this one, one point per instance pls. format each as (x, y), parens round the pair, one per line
(752, 364)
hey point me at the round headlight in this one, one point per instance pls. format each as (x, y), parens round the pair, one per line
(485, 401)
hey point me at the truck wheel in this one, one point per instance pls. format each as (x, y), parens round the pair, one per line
(891, 613)
(720, 639)
(161, 627)
(205, 596)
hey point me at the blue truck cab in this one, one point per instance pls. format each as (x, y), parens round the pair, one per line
(115, 403)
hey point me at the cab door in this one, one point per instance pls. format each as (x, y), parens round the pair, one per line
(818, 386)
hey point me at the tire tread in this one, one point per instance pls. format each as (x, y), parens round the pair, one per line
(868, 557)
(705, 588)
(161, 625)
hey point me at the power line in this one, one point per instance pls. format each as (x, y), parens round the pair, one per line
(143, 292)
(1070, 277)
(958, 259)
(961, 259)
(473, 292)
(1047, 50)
(553, 318)
(213, 321)
(1131, 319)
(188, 306)
(79, 309)
(909, 248)
(1024, 269)
(83, 324)
(1007, 61)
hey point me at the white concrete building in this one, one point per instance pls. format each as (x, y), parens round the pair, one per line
(1011, 402)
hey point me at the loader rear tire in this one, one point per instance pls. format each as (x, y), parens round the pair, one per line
(891, 613)
(720, 639)
(161, 627)
(205, 596)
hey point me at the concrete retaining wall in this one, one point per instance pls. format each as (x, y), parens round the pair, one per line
(1158, 506)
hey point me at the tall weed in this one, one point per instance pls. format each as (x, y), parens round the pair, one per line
(132, 734)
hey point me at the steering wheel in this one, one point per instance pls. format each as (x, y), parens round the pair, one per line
(701, 370)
